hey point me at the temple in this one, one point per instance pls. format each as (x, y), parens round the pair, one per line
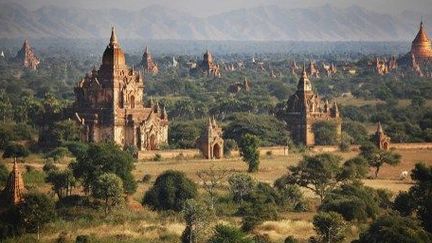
(382, 141)
(304, 109)
(14, 190)
(147, 62)
(421, 46)
(109, 105)
(207, 66)
(27, 57)
(211, 142)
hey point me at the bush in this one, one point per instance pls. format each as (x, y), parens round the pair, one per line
(157, 157)
(394, 229)
(76, 148)
(82, 239)
(146, 178)
(49, 166)
(58, 153)
(225, 234)
(170, 190)
(330, 227)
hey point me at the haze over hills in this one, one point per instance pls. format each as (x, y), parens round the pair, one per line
(325, 23)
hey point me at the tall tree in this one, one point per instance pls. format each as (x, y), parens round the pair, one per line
(377, 157)
(105, 158)
(319, 173)
(109, 188)
(249, 151)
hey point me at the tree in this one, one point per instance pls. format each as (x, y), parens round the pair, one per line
(105, 158)
(354, 169)
(330, 227)
(15, 150)
(169, 192)
(229, 234)
(211, 180)
(4, 174)
(109, 188)
(197, 218)
(241, 185)
(325, 133)
(260, 205)
(353, 201)
(35, 211)
(377, 157)
(62, 182)
(419, 197)
(249, 151)
(394, 229)
(318, 173)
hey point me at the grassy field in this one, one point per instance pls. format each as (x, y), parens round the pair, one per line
(135, 223)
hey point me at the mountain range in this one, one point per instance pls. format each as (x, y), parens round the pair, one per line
(325, 23)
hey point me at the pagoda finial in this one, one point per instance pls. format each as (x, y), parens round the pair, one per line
(146, 50)
(379, 128)
(113, 39)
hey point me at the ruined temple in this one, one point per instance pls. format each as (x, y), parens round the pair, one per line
(237, 87)
(313, 70)
(304, 109)
(421, 46)
(14, 190)
(147, 62)
(382, 141)
(330, 69)
(109, 105)
(207, 66)
(27, 57)
(381, 66)
(211, 142)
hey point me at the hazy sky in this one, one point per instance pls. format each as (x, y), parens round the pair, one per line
(209, 7)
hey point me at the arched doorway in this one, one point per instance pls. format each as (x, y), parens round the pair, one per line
(217, 153)
(152, 142)
(132, 101)
(385, 146)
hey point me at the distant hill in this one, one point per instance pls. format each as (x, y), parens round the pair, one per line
(324, 23)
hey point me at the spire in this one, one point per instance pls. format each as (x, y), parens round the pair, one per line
(15, 186)
(113, 39)
(379, 128)
(164, 114)
(146, 50)
(304, 83)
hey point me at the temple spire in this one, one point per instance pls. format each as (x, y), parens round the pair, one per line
(113, 39)
(15, 186)
(379, 128)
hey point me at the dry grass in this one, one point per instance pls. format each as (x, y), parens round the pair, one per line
(279, 230)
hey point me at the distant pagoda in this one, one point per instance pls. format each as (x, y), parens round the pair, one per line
(27, 57)
(421, 46)
(13, 192)
(147, 62)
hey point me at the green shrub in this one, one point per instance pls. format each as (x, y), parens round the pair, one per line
(170, 190)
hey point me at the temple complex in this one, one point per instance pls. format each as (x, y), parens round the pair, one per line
(14, 190)
(27, 57)
(304, 109)
(211, 142)
(109, 105)
(207, 66)
(147, 62)
(382, 141)
(421, 46)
